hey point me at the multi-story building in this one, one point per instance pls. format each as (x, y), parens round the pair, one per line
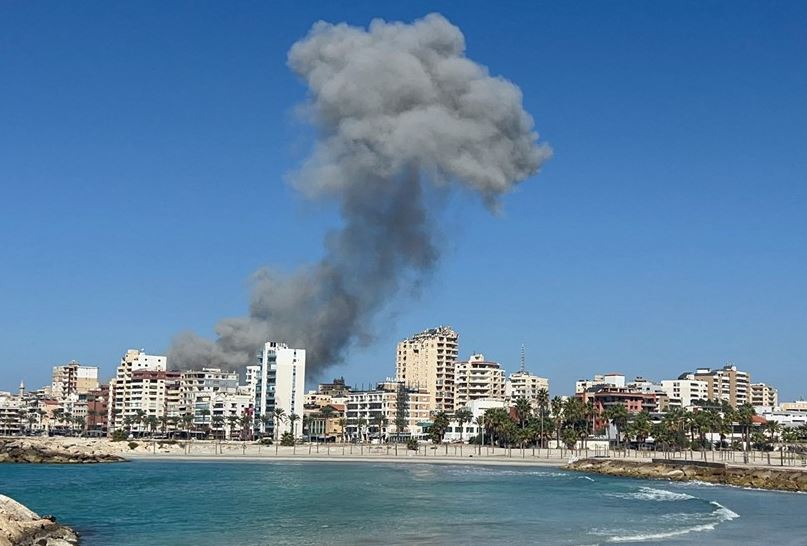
(763, 395)
(427, 361)
(471, 428)
(335, 392)
(609, 379)
(684, 391)
(326, 422)
(198, 388)
(224, 414)
(73, 378)
(12, 414)
(727, 383)
(124, 398)
(523, 384)
(634, 400)
(798, 405)
(477, 379)
(98, 408)
(378, 412)
(281, 385)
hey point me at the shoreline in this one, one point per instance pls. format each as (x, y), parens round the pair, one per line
(436, 459)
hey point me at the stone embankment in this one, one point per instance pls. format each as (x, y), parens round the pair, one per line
(19, 526)
(718, 473)
(45, 450)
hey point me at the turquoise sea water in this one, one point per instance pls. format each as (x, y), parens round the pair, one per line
(249, 504)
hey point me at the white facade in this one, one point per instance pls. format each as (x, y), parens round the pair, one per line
(469, 430)
(683, 391)
(477, 379)
(523, 384)
(281, 385)
(612, 379)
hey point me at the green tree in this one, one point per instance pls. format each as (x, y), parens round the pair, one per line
(463, 416)
(279, 416)
(439, 427)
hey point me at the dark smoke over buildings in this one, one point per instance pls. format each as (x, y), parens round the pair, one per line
(399, 110)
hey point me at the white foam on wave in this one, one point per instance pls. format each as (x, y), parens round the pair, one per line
(652, 494)
(720, 515)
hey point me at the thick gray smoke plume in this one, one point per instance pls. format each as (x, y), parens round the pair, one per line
(398, 109)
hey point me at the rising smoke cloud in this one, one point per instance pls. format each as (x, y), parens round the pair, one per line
(399, 110)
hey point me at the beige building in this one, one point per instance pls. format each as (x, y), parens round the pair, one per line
(798, 405)
(128, 394)
(523, 384)
(427, 361)
(763, 395)
(73, 378)
(477, 379)
(726, 383)
(376, 413)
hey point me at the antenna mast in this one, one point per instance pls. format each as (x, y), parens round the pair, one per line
(523, 359)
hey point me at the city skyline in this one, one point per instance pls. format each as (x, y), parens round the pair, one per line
(666, 233)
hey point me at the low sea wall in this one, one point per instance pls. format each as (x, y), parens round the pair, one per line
(20, 526)
(718, 473)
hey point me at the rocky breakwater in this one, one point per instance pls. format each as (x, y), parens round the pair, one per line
(19, 526)
(46, 450)
(740, 476)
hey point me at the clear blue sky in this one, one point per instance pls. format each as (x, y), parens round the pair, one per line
(143, 149)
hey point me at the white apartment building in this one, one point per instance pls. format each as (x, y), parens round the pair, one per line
(73, 378)
(204, 383)
(281, 385)
(611, 379)
(764, 396)
(683, 391)
(374, 413)
(128, 394)
(523, 384)
(471, 429)
(477, 379)
(427, 360)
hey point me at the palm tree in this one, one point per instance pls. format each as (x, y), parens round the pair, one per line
(279, 416)
(151, 423)
(80, 423)
(246, 425)
(463, 416)
(326, 413)
(524, 410)
(745, 417)
(618, 416)
(293, 418)
(232, 421)
(361, 423)
(542, 399)
(342, 425)
(480, 423)
(217, 422)
(187, 421)
(556, 405)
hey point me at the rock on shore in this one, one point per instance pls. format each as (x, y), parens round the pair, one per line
(45, 450)
(758, 478)
(19, 526)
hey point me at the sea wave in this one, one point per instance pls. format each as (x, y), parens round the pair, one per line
(719, 515)
(652, 494)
